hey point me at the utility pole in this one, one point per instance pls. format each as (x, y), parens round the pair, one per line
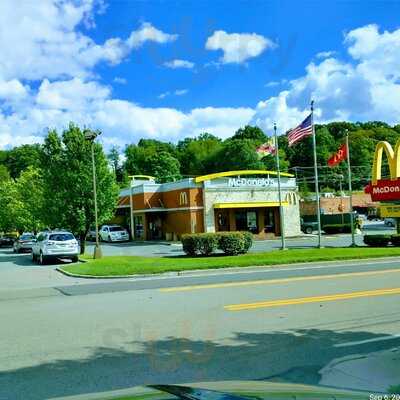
(353, 241)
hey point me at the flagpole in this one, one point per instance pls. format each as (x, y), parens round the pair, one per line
(316, 174)
(353, 242)
(281, 216)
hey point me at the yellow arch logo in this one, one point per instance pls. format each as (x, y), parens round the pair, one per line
(291, 198)
(393, 157)
(183, 199)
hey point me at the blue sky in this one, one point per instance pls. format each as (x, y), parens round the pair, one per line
(302, 30)
(108, 65)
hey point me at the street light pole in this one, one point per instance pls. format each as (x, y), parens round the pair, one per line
(91, 136)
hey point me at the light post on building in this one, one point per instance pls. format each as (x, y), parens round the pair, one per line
(281, 213)
(131, 205)
(91, 136)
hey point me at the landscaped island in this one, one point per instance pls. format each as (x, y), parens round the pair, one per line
(132, 265)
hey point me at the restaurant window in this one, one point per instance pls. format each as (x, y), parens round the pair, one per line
(246, 221)
(269, 220)
(139, 229)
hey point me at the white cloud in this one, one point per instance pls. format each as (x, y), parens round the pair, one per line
(178, 92)
(89, 103)
(325, 54)
(238, 47)
(70, 95)
(163, 95)
(148, 33)
(12, 90)
(272, 84)
(41, 39)
(174, 64)
(365, 88)
(120, 80)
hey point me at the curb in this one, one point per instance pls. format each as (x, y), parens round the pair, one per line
(219, 270)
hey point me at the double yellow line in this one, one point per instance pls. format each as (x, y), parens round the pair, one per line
(316, 299)
(275, 281)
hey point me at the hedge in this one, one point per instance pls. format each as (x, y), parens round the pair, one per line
(230, 243)
(337, 228)
(395, 239)
(377, 240)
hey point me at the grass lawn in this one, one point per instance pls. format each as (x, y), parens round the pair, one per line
(130, 265)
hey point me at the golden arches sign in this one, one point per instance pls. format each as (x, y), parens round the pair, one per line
(183, 199)
(386, 189)
(393, 157)
(291, 198)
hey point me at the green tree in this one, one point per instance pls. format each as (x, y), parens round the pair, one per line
(250, 132)
(4, 174)
(135, 160)
(21, 157)
(195, 154)
(10, 207)
(164, 167)
(269, 161)
(114, 158)
(68, 185)
(237, 155)
(156, 146)
(29, 192)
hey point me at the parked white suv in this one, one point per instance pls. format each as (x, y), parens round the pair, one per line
(55, 244)
(113, 233)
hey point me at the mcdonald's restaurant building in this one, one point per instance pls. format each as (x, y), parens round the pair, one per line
(225, 201)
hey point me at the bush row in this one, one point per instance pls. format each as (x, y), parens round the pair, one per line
(382, 240)
(231, 243)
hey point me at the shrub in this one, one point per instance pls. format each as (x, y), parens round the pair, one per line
(232, 243)
(377, 240)
(207, 243)
(395, 239)
(248, 241)
(189, 244)
(337, 228)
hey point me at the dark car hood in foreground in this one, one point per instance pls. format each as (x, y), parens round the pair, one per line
(227, 390)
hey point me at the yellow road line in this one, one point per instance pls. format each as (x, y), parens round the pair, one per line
(316, 299)
(273, 281)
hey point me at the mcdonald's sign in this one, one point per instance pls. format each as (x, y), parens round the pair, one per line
(385, 189)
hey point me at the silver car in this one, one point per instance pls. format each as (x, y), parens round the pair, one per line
(55, 244)
(113, 233)
(24, 243)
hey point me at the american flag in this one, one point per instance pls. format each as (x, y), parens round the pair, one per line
(301, 131)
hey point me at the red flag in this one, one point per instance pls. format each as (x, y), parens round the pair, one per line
(338, 157)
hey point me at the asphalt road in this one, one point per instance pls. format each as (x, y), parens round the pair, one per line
(279, 323)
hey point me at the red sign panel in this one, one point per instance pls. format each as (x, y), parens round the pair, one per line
(384, 190)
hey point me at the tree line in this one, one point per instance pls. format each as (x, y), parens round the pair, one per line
(207, 153)
(50, 184)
